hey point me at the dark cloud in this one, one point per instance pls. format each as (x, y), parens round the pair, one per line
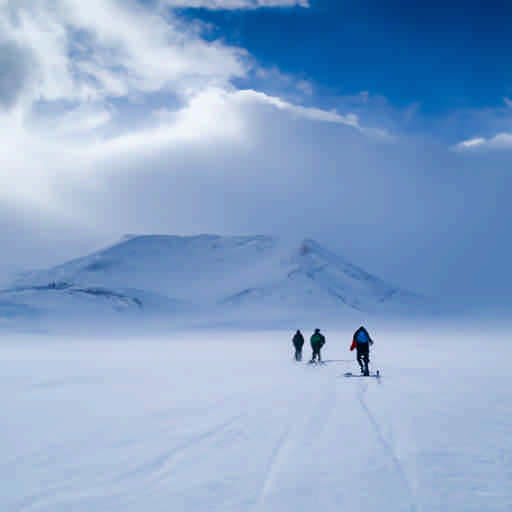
(15, 64)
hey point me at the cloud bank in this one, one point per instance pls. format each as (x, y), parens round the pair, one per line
(120, 116)
(79, 82)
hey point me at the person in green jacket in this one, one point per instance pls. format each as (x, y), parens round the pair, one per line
(317, 342)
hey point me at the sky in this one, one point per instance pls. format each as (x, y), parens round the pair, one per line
(383, 132)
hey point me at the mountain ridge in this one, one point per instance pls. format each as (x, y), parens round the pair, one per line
(210, 276)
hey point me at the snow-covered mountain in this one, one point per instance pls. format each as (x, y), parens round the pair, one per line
(208, 277)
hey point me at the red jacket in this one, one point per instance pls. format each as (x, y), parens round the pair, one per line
(354, 341)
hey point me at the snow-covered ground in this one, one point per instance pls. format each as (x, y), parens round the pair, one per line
(226, 421)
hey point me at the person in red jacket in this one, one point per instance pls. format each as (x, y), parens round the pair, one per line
(362, 341)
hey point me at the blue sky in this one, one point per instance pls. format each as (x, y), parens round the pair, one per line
(383, 132)
(441, 55)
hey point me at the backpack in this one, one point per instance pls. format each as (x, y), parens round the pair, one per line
(361, 336)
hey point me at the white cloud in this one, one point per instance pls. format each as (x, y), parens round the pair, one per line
(109, 48)
(209, 116)
(310, 113)
(235, 4)
(214, 115)
(508, 102)
(62, 68)
(500, 141)
(472, 143)
(305, 87)
(116, 81)
(82, 121)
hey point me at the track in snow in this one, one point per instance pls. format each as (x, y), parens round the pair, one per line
(224, 425)
(388, 448)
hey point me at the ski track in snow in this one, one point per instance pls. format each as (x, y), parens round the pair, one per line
(276, 459)
(160, 467)
(388, 448)
(150, 426)
(154, 470)
(297, 434)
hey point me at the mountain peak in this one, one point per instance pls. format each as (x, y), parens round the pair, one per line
(260, 274)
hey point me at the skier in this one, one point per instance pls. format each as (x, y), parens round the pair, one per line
(298, 343)
(317, 342)
(362, 341)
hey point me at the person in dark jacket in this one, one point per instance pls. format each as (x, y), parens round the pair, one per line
(317, 342)
(298, 343)
(362, 341)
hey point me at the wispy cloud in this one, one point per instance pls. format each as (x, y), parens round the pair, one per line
(310, 113)
(117, 78)
(472, 143)
(110, 49)
(235, 4)
(500, 141)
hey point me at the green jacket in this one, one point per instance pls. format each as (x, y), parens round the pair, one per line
(317, 340)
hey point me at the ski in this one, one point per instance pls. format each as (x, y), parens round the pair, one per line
(375, 375)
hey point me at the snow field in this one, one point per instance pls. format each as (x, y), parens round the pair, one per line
(226, 421)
